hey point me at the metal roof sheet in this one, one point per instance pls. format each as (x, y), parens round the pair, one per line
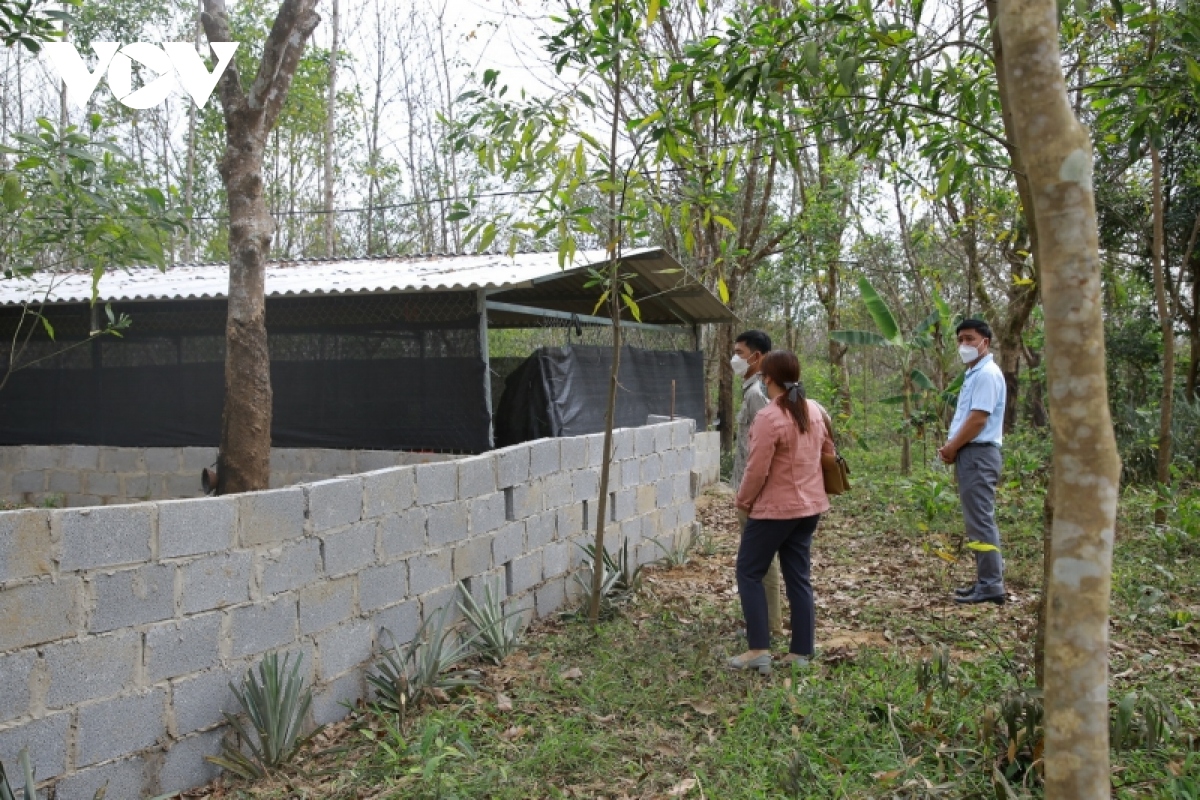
(537, 276)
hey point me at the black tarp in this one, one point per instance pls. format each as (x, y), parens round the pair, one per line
(563, 391)
(385, 373)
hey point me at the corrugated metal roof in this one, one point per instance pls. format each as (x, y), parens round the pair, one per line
(378, 275)
(533, 278)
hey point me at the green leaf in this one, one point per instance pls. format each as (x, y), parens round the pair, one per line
(11, 194)
(982, 547)
(926, 324)
(49, 328)
(723, 290)
(652, 12)
(879, 312)
(633, 308)
(489, 234)
(922, 380)
(600, 302)
(859, 338)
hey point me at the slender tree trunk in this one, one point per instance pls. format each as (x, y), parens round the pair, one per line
(330, 128)
(244, 458)
(1086, 466)
(613, 247)
(1191, 261)
(1166, 325)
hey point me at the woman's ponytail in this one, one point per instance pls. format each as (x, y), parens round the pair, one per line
(783, 368)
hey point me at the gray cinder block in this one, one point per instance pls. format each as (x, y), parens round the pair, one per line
(15, 672)
(199, 700)
(526, 499)
(372, 460)
(127, 777)
(652, 468)
(192, 527)
(105, 537)
(40, 612)
(335, 503)
(398, 624)
(182, 485)
(556, 559)
(184, 766)
(182, 647)
(46, 740)
(26, 548)
(195, 459)
(64, 482)
(102, 484)
(133, 597)
(623, 444)
(544, 457)
(403, 533)
(121, 459)
(84, 669)
(330, 702)
(595, 449)
(163, 460)
(263, 627)
(476, 476)
(551, 596)
(42, 456)
(473, 557)
(525, 572)
(294, 565)
(556, 490)
(326, 604)
(349, 550)
(643, 441)
(379, 587)
(624, 505)
(388, 491)
(429, 571)
(447, 523)
(345, 647)
(117, 727)
(330, 463)
(216, 581)
(573, 453)
(29, 481)
(569, 521)
(585, 485)
(488, 513)
(512, 466)
(508, 543)
(540, 529)
(272, 516)
(437, 483)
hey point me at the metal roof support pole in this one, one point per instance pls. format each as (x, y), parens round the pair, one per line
(481, 304)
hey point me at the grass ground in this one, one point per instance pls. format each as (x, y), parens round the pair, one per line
(911, 696)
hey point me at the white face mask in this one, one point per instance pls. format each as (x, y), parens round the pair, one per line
(740, 365)
(967, 353)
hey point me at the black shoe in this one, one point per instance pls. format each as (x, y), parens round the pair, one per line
(975, 597)
(965, 591)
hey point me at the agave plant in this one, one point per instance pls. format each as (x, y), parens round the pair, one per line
(276, 703)
(620, 577)
(498, 633)
(29, 787)
(408, 675)
(677, 550)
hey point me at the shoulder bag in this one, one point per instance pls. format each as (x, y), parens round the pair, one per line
(834, 468)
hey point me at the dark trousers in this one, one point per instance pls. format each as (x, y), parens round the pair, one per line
(978, 471)
(792, 540)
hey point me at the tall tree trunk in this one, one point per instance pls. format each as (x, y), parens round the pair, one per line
(1058, 163)
(613, 247)
(244, 458)
(330, 128)
(1166, 325)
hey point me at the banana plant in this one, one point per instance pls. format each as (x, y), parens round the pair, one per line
(888, 334)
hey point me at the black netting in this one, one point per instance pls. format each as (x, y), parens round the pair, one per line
(563, 391)
(361, 371)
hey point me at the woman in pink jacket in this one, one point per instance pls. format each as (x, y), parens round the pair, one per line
(783, 492)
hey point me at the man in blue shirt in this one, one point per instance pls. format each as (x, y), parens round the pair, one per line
(973, 447)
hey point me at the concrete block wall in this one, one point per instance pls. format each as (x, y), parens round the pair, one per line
(121, 626)
(69, 476)
(708, 457)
